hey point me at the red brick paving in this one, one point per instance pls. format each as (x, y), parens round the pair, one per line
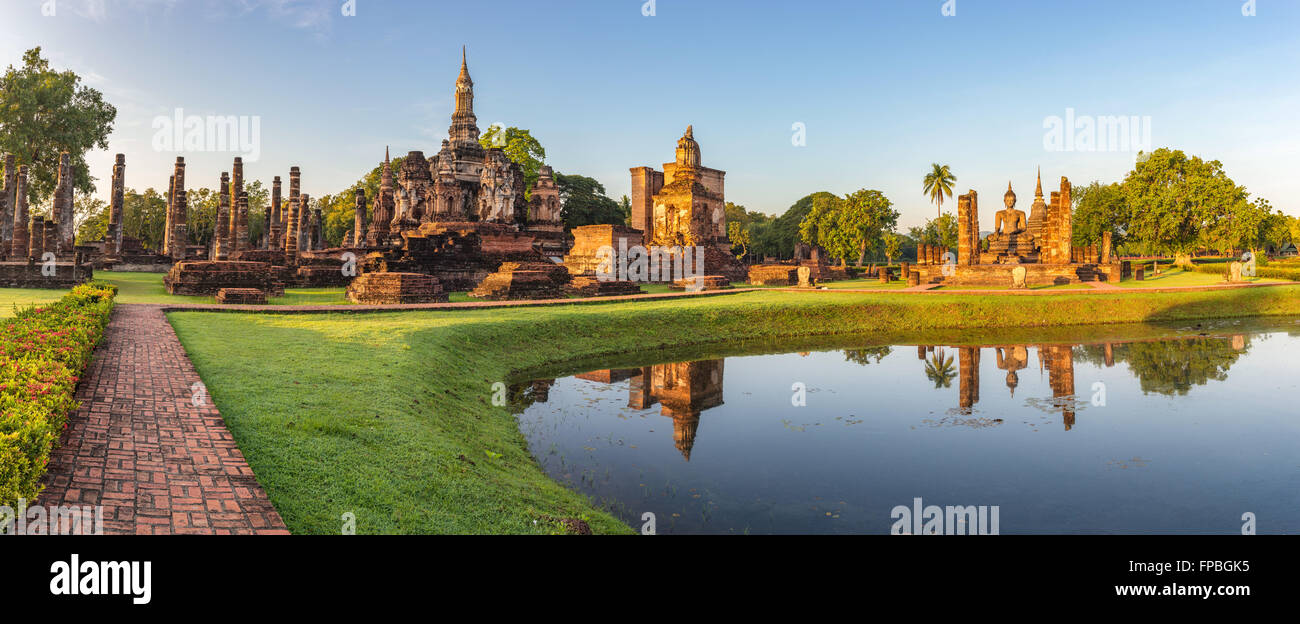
(139, 446)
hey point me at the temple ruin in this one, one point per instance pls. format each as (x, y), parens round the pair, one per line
(38, 251)
(1023, 250)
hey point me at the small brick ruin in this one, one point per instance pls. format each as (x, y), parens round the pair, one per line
(590, 286)
(702, 283)
(524, 280)
(773, 275)
(395, 288)
(241, 296)
(209, 277)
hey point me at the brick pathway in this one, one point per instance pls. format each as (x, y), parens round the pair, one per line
(139, 447)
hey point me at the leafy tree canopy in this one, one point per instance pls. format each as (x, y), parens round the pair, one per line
(44, 112)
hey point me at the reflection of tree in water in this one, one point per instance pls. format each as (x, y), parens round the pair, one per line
(1173, 367)
(941, 369)
(865, 356)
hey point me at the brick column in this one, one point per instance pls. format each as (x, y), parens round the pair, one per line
(291, 215)
(1066, 228)
(22, 242)
(275, 225)
(221, 249)
(117, 202)
(180, 203)
(167, 216)
(304, 215)
(968, 229)
(241, 222)
(238, 243)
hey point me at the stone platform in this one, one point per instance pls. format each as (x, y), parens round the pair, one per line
(702, 283)
(523, 280)
(241, 296)
(395, 288)
(1035, 274)
(590, 286)
(774, 275)
(209, 277)
(27, 274)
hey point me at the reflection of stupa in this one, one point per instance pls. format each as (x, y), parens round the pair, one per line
(684, 390)
(1059, 360)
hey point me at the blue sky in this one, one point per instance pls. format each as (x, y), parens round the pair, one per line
(883, 87)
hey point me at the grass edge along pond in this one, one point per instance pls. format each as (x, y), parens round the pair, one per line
(389, 416)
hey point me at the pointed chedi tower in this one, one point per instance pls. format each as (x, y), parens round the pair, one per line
(464, 125)
(1038, 213)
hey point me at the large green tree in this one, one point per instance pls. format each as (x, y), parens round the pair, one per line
(144, 216)
(91, 217)
(938, 231)
(585, 203)
(848, 227)
(1173, 199)
(1100, 208)
(44, 112)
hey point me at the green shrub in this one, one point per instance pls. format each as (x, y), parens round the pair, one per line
(44, 350)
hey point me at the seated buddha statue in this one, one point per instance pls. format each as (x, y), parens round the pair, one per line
(1011, 234)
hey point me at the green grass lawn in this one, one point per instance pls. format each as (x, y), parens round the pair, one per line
(13, 299)
(390, 416)
(1178, 277)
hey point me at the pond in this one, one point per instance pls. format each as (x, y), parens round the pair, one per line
(1194, 432)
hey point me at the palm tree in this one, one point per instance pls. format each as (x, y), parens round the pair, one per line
(939, 369)
(939, 183)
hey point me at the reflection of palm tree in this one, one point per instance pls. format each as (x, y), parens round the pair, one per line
(941, 369)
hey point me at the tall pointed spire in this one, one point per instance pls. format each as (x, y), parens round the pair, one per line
(1039, 193)
(386, 176)
(464, 125)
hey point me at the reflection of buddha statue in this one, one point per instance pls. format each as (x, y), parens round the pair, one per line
(1012, 360)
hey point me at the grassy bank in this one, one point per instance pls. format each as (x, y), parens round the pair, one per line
(390, 415)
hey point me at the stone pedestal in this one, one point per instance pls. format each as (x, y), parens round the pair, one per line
(395, 288)
(209, 277)
(703, 283)
(773, 275)
(519, 283)
(241, 296)
(589, 286)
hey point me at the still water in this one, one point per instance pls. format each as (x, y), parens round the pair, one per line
(1183, 434)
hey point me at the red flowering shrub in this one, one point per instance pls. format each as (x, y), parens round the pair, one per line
(44, 350)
